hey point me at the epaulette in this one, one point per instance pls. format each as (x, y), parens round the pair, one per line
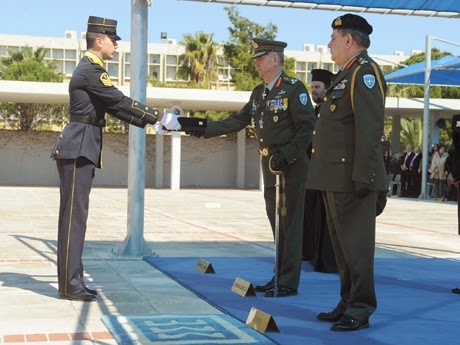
(363, 61)
(290, 80)
(94, 59)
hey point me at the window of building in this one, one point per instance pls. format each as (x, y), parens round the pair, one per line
(170, 72)
(127, 71)
(70, 54)
(312, 65)
(171, 59)
(3, 51)
(127, 57)
(300, 65)
(301, 76)
(154, 71)
(112, 69)
(70, 67)
(154, 58)
(328, 66)
(57, 54)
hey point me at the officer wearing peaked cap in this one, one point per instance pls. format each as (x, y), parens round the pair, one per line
(347, 166)
(281, 112)
(78, 150)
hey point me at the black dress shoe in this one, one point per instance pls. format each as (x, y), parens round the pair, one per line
(456, 290)
(283, 291)
(91, 291)
(82, 296)
(264, 288)
(348, 324)
(332, 316)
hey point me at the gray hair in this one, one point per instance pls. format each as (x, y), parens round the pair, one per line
(360, 37)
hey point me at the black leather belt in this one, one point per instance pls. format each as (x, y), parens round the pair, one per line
(87, 119)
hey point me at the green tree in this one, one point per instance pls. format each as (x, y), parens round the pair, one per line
(238, 51)
(199, 62)
(30, 65)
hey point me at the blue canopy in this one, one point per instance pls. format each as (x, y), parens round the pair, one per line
(428, 8)
(444, 72)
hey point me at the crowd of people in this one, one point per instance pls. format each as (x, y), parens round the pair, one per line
(405, 172)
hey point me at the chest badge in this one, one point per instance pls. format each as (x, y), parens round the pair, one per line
(332, 108)
(275, 118)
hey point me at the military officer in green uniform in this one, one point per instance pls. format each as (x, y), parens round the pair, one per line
(347, 166)
(281, 112)
(78, 150)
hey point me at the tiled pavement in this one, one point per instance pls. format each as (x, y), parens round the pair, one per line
(189, 222)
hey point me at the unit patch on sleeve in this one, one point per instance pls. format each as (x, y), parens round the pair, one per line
(303, 98)
(369, 80)
(105, 79)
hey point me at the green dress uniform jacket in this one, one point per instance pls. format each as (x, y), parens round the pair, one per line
(346, 150)
(78, 152)
(282, 119)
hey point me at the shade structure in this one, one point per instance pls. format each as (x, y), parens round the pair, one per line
(428, 8)
(444, 72)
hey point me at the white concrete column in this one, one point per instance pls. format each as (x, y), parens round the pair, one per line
(175, 160)
(159, 155)
(240, 158)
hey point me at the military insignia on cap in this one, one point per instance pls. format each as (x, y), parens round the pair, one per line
(303, 98)
(338, 21)
(369, 80)
(105, 79)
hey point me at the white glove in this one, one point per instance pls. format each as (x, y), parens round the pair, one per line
(158, 127)
(170, 122)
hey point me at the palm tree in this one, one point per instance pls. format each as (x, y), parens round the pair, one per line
(199, 62)
(412, 131)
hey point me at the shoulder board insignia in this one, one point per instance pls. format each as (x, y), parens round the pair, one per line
(290, 80)
(105, 79)
(363, 61)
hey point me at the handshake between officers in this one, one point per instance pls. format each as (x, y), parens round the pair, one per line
(281, 112)
(78, 150)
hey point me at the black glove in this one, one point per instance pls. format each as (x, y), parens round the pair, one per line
(196, 134)
(362, 189)
(277, 160)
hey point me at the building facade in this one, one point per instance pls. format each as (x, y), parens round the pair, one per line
(163, 59)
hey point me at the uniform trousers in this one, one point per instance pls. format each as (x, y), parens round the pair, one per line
(291, 227)
(351, 222)
(76, 177)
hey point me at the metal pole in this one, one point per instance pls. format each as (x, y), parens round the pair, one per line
(134, 244)
(426, 118)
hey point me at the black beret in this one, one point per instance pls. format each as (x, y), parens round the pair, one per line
(322, 75)
(352, 21)
(263, 46)
(104, 26)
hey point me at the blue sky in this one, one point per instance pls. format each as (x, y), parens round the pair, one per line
(295, 26)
